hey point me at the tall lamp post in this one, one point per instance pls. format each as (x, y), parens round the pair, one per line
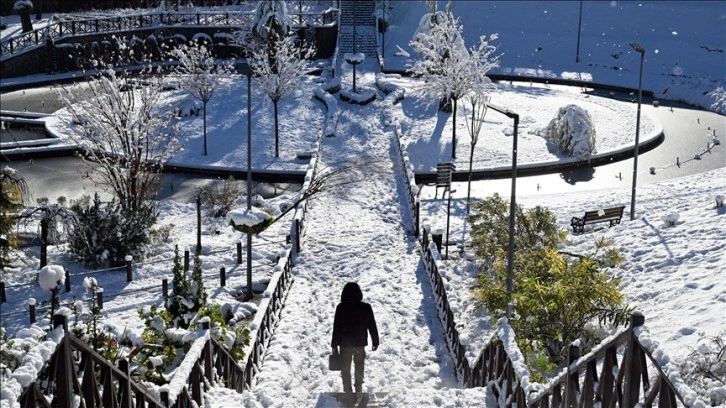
(641, 51)
(244, 69)
(579, 29)
(512, 204)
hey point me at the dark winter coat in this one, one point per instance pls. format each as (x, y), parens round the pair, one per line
(353, 320)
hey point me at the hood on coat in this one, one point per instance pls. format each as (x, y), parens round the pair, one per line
(351, 293)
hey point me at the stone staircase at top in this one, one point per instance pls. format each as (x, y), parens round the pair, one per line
(358, 27)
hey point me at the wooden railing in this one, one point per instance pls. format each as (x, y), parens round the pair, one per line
(61, 29)
(620, 372)
(624, 383)
(494, 363)
(101, 384)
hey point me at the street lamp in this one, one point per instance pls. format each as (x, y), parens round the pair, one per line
(579, 29)
(244, 69)
(640, 50)
(512, 205)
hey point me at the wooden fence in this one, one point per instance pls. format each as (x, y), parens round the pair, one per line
(101, 382)
(615, 374)
(62, 29)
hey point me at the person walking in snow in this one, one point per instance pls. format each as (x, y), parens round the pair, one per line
(353, 321)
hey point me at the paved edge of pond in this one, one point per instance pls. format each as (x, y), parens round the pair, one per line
(422, 177)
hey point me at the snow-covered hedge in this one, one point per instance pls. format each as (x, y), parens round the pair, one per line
(572, 132)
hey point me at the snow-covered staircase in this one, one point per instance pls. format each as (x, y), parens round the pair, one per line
(358, 27)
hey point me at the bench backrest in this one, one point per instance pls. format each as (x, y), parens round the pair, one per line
(607, 214)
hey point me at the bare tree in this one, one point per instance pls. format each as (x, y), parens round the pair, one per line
(278, 69)
(200, 75)
(475, 114)
(125, 134)
(447, 68)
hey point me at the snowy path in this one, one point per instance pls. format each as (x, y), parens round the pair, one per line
(387, 266)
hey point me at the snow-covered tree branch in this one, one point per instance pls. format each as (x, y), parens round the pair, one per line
(448, 70)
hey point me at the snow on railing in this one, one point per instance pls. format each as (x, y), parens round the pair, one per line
(179, 382)
(500, 365)
(394, 94)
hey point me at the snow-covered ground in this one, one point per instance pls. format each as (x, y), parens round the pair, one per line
(673, 274)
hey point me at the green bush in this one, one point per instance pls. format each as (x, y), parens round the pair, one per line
(556, 296)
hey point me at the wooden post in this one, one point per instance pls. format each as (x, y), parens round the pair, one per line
(124, 385)
(239, 253)
(3, 299)
(573, 383)
(222, 277)
(32, 312)
(199, 222)
(63, 365)
(298, 232)
(165, 288)
(186, 260)
(208, 363)
(99, 298)
(437, 238)
(129, 274)
(633, 368)
(417, 220)
(68, 280)
(43, 242)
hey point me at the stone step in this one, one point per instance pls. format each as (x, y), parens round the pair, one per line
(342, 400)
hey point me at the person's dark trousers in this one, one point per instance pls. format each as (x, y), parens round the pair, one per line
(350, 355)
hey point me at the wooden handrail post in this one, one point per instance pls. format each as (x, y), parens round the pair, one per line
(239, 253)
(633, 368)
(124, 384)
(63, 365)
(573, 383)
(222, 277)
(208, 363)
(186, 260)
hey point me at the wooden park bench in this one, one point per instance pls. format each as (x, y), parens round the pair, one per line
(611, 215)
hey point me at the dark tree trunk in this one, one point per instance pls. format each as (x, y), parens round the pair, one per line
(205, 128)
(453, 133)
(277, 150)
(25, 21)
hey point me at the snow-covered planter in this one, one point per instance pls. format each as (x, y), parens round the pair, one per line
(252, 221)
(363, 96)
(332, 86)
(188, 108)
(720, 201)
(572, 132)
(354, 58)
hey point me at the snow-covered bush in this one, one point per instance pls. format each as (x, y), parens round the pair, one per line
(720, 201)
(704, 369)
(670, 220)
(363, 96)
(572, 132)
(23, 6)
(188, 109)
(49, 279)
(218, 197)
